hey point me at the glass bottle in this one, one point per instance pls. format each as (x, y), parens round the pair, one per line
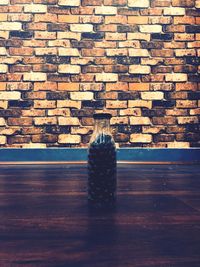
(102, 164)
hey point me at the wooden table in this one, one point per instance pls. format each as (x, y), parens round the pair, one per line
(45, 220)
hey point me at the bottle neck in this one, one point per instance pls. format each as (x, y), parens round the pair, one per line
(102, 126)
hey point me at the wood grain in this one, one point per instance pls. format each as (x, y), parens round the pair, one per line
(46, 220)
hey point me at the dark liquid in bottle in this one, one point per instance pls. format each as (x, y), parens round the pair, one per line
(102, 171)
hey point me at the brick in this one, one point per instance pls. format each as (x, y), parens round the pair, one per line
(116, 52)
(45, 121)
(187, 120)
(183, 37)
(68, 121)
(178, 144)
(137, 20)
(10, 26)
(152, 95)
(2, 122)
(138, 3)
(68, 104)
(183, 3)
(3, 68)
(167, 120)
(112, 104)
(138, 69)
(115, 19)
(152, 129)
(46, 104)
(98, 52)
(138, 52)
(117, 86)
(45, 35)
(150, 28)
(20, 121)
(140, 138)
(71, 52)
(43, 86)
(10, 95)
(139, 103)
(185, 52)
(186, 104)
(140, 121)
(138, 36)
(45, 51)
(131, 112)
(69, 139)
(3, 140)
(174, 11)
(27, 51)
(68, 86)
(37, 76)
(105, 10)
(110, 36)
(176, 77)
(59, 112)
(72, 69)
(69, 35)
(139, 86)
(105, 77)
(68, 18)
(4, 2)
(69, 3)
(81, 95)
(118, 120)
(184, 20)
(45, 17)
(81, 27)
(35, 8)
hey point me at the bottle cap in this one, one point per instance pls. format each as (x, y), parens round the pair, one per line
(99, 116)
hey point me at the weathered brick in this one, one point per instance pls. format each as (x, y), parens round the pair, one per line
(112, 104)
(35, 8)
(150, 28)
(152, 95)
(71, 52)
(139, 103)
(186, 104)
(69, 35)
(140, 121)
(20, 121)
(176, 77)
(46, 104)
(105, 10)
(138, 3)
(45, 121)
(174, 11)
(138, 52)
(3, 140)
(10, 26)
(72, 69)
(68, 121)
(140, 138)
(186, 120)
(69, 139)
(139, 86)
(105, 77)
(138, 69)
(10, 95)
(81, 95)
(37, 76)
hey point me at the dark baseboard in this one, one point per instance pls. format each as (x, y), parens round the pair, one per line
(63, 155)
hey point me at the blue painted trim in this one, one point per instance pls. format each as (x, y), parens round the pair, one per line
(80, 154)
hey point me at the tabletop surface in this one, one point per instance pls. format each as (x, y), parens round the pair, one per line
(46, 221)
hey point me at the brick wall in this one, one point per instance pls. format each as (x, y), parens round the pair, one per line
(61, 60)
